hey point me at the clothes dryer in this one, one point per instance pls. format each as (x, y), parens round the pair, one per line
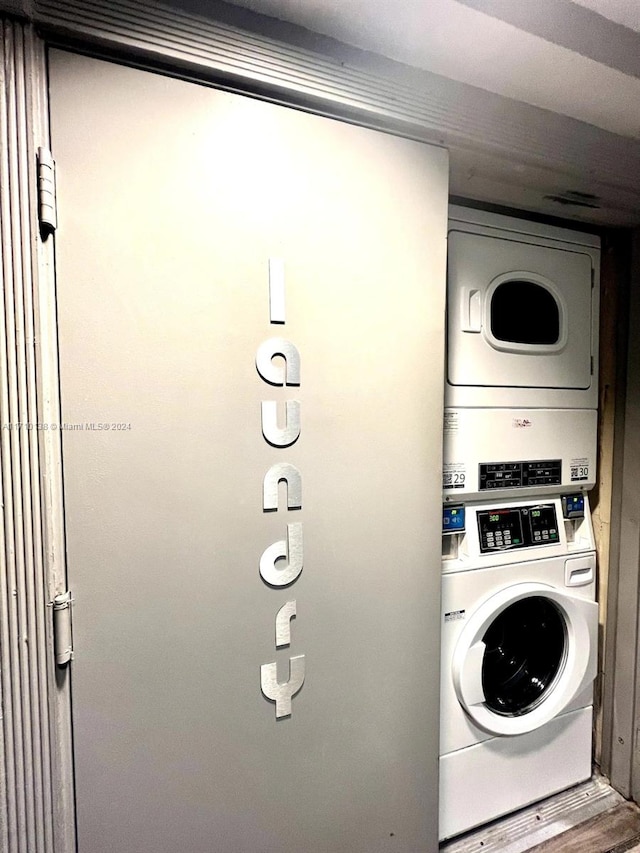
(522, 357)
(522, 324)
(519, 654)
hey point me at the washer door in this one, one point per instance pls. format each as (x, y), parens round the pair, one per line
(523, 656)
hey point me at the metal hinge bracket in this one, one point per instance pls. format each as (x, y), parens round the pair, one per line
(47, 213)
(62, 634)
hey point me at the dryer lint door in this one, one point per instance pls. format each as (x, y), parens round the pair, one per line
(519, 314)
(523, 656)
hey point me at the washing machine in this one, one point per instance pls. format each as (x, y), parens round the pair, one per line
(519, 655)
(522, 357)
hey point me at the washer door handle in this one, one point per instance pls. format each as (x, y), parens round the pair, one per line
(471, 675)
(590, 611)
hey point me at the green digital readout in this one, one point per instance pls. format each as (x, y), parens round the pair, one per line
(500, 529)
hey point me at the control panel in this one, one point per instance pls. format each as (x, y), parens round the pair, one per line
(517, 475)
(517, 527)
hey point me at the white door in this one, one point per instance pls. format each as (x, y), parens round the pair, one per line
(248, 294)
(520, 315)
(525, 653)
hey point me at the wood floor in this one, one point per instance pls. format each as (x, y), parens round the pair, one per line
(613, 831)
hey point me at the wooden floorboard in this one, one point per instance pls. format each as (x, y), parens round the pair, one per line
(613, 831)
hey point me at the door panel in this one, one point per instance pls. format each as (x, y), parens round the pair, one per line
(478, 266)
(172, 199)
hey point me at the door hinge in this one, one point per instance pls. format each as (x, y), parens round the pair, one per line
(47, 214)
(62, 635)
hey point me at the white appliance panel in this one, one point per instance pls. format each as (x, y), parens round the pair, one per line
(480, 269)
(491, 779)
(553, 451)
(574, 543)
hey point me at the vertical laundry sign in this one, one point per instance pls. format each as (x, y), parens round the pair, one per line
(281, 563)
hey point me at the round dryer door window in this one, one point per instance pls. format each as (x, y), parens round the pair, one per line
(525, 653)
(524, 313)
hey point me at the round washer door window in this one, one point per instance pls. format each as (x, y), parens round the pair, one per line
(525, 649)
(523, 655)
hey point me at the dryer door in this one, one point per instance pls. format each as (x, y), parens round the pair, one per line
(519, 315)
(523, 656)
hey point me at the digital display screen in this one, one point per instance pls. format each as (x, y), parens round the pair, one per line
(452, 519)
(516, 475)
(500, 528)
(573, 506)
(518, 527)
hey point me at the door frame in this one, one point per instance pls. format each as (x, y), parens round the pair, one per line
(620, 698)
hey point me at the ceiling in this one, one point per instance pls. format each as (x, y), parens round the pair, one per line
(575, 58)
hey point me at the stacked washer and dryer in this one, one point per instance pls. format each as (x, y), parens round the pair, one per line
(519, 613)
